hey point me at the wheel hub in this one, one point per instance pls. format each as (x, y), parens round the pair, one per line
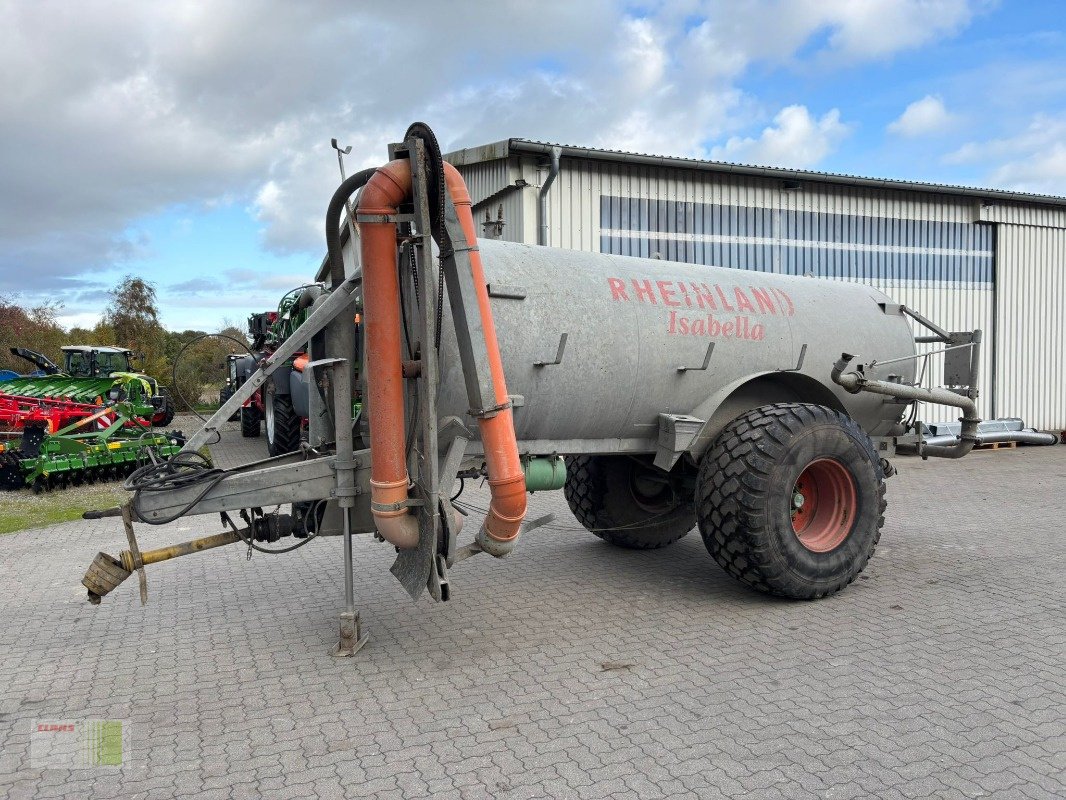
(650, 491)
(824, 505)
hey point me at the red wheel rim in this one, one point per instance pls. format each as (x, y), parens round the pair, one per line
(823, 505)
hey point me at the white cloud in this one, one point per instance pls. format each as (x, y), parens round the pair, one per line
(84, 319)
(796, 139)
(734, 35)
(922, 117)
(124, 109)
(1033, 160)
(877, 28)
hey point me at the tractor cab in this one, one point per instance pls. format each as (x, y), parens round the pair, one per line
(82, 361)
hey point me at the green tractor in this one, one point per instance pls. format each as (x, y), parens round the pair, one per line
(90, 421)
(93, 374)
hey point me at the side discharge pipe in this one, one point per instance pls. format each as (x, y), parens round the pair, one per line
(854, 383)
(1020, 437)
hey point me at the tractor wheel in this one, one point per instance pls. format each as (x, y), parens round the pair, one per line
(791, 500)
(166, 416)
(249, 422)
(627, 502)
(282, 425)
(11, 474)
(224, 394)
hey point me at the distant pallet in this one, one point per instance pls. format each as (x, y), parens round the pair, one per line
(997, 446)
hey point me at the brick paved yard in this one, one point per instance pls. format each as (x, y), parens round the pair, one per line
(571, 669)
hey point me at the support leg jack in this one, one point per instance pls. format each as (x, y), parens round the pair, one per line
(352, 637)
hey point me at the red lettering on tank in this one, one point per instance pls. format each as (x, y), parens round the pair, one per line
(788, 300)
(642, 291)
(684, 293)
(666, 293)
(704, 296)
(743, 303)
(727, 329)
(721, 296)
(618, 289)
(758, 332)
(762, 297)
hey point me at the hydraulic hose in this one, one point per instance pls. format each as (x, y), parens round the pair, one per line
(333, 222)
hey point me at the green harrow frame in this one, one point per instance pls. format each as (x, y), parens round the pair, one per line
(72, 456)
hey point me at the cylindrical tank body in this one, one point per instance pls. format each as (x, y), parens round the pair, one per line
(630, 323)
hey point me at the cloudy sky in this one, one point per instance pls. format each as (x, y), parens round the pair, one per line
(188, 142)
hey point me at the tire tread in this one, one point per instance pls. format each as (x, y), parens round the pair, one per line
(731, 499)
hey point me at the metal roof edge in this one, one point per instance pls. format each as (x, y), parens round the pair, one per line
(475, 155)
(505, 147)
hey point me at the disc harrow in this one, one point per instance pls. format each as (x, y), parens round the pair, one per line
(78, 453)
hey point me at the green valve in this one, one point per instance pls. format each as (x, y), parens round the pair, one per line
(544, 474)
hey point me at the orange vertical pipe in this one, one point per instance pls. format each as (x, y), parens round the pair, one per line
(390, 186)
(381, 318)
(507, 483)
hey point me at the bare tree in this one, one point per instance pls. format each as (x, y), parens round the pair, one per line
(134, 317)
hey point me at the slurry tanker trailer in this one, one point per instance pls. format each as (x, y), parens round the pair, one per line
(658, 396)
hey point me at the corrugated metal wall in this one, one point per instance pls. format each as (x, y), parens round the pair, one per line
(941, 255)
(486, 179)
(1030, 352)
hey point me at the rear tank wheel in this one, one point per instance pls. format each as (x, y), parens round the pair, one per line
(627, 502)
(791, 500)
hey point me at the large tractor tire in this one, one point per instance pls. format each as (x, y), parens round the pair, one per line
(627, 502)
(224, 394)
(282, 425)
(791, 500)
(249, 422)
(166, 416)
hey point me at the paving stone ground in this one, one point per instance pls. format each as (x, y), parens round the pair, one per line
(571, 669)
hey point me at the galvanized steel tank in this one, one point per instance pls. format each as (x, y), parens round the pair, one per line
(631, 323)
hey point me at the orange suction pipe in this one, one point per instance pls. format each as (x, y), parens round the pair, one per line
(389, 187)
(507, 483)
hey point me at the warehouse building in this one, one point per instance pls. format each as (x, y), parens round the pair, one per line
(965, 258)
